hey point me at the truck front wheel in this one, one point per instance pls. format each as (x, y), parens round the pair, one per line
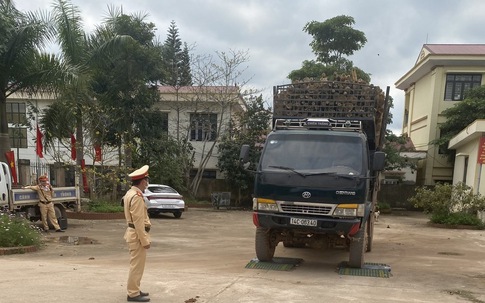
(265, 248)
(357, 248)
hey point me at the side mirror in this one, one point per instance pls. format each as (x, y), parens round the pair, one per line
(244, 154)
(379, 161)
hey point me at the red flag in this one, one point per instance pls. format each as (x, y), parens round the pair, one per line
(85, 178)
(73, 147)
(97, 152)
(39, 148)
(11, 162)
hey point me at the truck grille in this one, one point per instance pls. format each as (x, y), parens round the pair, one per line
(306, 208)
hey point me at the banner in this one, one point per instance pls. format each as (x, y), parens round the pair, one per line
(73, 147)
(481, 151)
(39, 148)
(85, 178)
(97, 153)
(11, 163)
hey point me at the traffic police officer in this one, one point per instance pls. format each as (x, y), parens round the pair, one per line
(136, 235)
(46, 206)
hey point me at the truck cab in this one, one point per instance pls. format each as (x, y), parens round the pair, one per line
(5, 183)
(313, 186)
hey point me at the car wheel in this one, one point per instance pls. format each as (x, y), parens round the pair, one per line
(177, 214)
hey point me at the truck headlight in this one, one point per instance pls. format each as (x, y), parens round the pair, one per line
(349, 210)
(264, 204)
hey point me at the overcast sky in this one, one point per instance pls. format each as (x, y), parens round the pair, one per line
(272, 31)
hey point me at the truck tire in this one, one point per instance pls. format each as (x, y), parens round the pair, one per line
(264, 247)
(357, 248)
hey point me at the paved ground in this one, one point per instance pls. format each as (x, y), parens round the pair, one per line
(201, 258)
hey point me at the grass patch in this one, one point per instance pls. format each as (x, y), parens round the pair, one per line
(457, 219)
(103, 206)
(17, 231)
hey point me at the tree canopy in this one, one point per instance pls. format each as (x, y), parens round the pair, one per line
(334, 38)
(249, 127)
(23, 67)
(460, 116)
(176, 59)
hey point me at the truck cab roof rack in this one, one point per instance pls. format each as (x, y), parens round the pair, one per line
(318, 124)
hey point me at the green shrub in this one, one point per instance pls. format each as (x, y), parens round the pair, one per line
(103, 206)
(449, 204)
(383, 206)
(457, 219)
(17, 231)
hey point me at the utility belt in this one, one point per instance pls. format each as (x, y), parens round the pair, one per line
(147, 228)
(43, 202)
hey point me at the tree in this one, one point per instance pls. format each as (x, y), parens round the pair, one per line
(23, 67)
(218, 91)
(317, 70)
(334, 38)
(248, 127)
(126, 82)
(176, 59)
(460, 116)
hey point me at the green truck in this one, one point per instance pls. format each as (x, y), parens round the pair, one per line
(316, 182)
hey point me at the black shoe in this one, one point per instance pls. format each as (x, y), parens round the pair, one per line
(59, 231)
(138, 298)
(144, 294)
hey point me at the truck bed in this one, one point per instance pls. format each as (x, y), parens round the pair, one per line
(333, 99)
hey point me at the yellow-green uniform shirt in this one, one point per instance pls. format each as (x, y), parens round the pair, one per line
(136, 214)
(46, 193)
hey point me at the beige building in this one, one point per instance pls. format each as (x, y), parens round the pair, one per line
(200, 114)
(470, 156)
(440, 77)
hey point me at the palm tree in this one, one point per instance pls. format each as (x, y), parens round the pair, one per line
(79, 55)
(23, 67)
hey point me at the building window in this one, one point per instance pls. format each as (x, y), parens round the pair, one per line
(203, 127)
(458, 84)
(207, 174)
(18, 137)
(16, 113)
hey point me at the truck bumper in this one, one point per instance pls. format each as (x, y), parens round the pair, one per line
(326, 225)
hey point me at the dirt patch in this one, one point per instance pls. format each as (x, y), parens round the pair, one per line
(94, 216)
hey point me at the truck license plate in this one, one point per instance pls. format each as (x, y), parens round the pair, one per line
(303, 222)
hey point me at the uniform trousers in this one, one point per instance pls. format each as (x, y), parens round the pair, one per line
(138, 255)
(47, 212)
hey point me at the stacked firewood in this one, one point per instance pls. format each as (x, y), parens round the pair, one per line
(345, 97)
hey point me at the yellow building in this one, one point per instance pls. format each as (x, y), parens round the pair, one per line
(440, 77)
(470, 156)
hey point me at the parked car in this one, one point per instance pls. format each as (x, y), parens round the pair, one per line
(163, 199)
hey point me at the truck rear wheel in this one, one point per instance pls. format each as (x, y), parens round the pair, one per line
(264, 246)
(357, 248)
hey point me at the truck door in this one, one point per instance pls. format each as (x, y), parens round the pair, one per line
(5, 183)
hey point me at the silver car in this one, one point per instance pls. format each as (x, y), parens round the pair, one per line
(163, 199)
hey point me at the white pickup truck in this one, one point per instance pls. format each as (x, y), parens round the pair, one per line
(25, 201)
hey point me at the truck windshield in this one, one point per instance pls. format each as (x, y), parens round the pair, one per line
(314, 153)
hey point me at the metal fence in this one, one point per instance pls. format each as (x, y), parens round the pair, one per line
(221, 199)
